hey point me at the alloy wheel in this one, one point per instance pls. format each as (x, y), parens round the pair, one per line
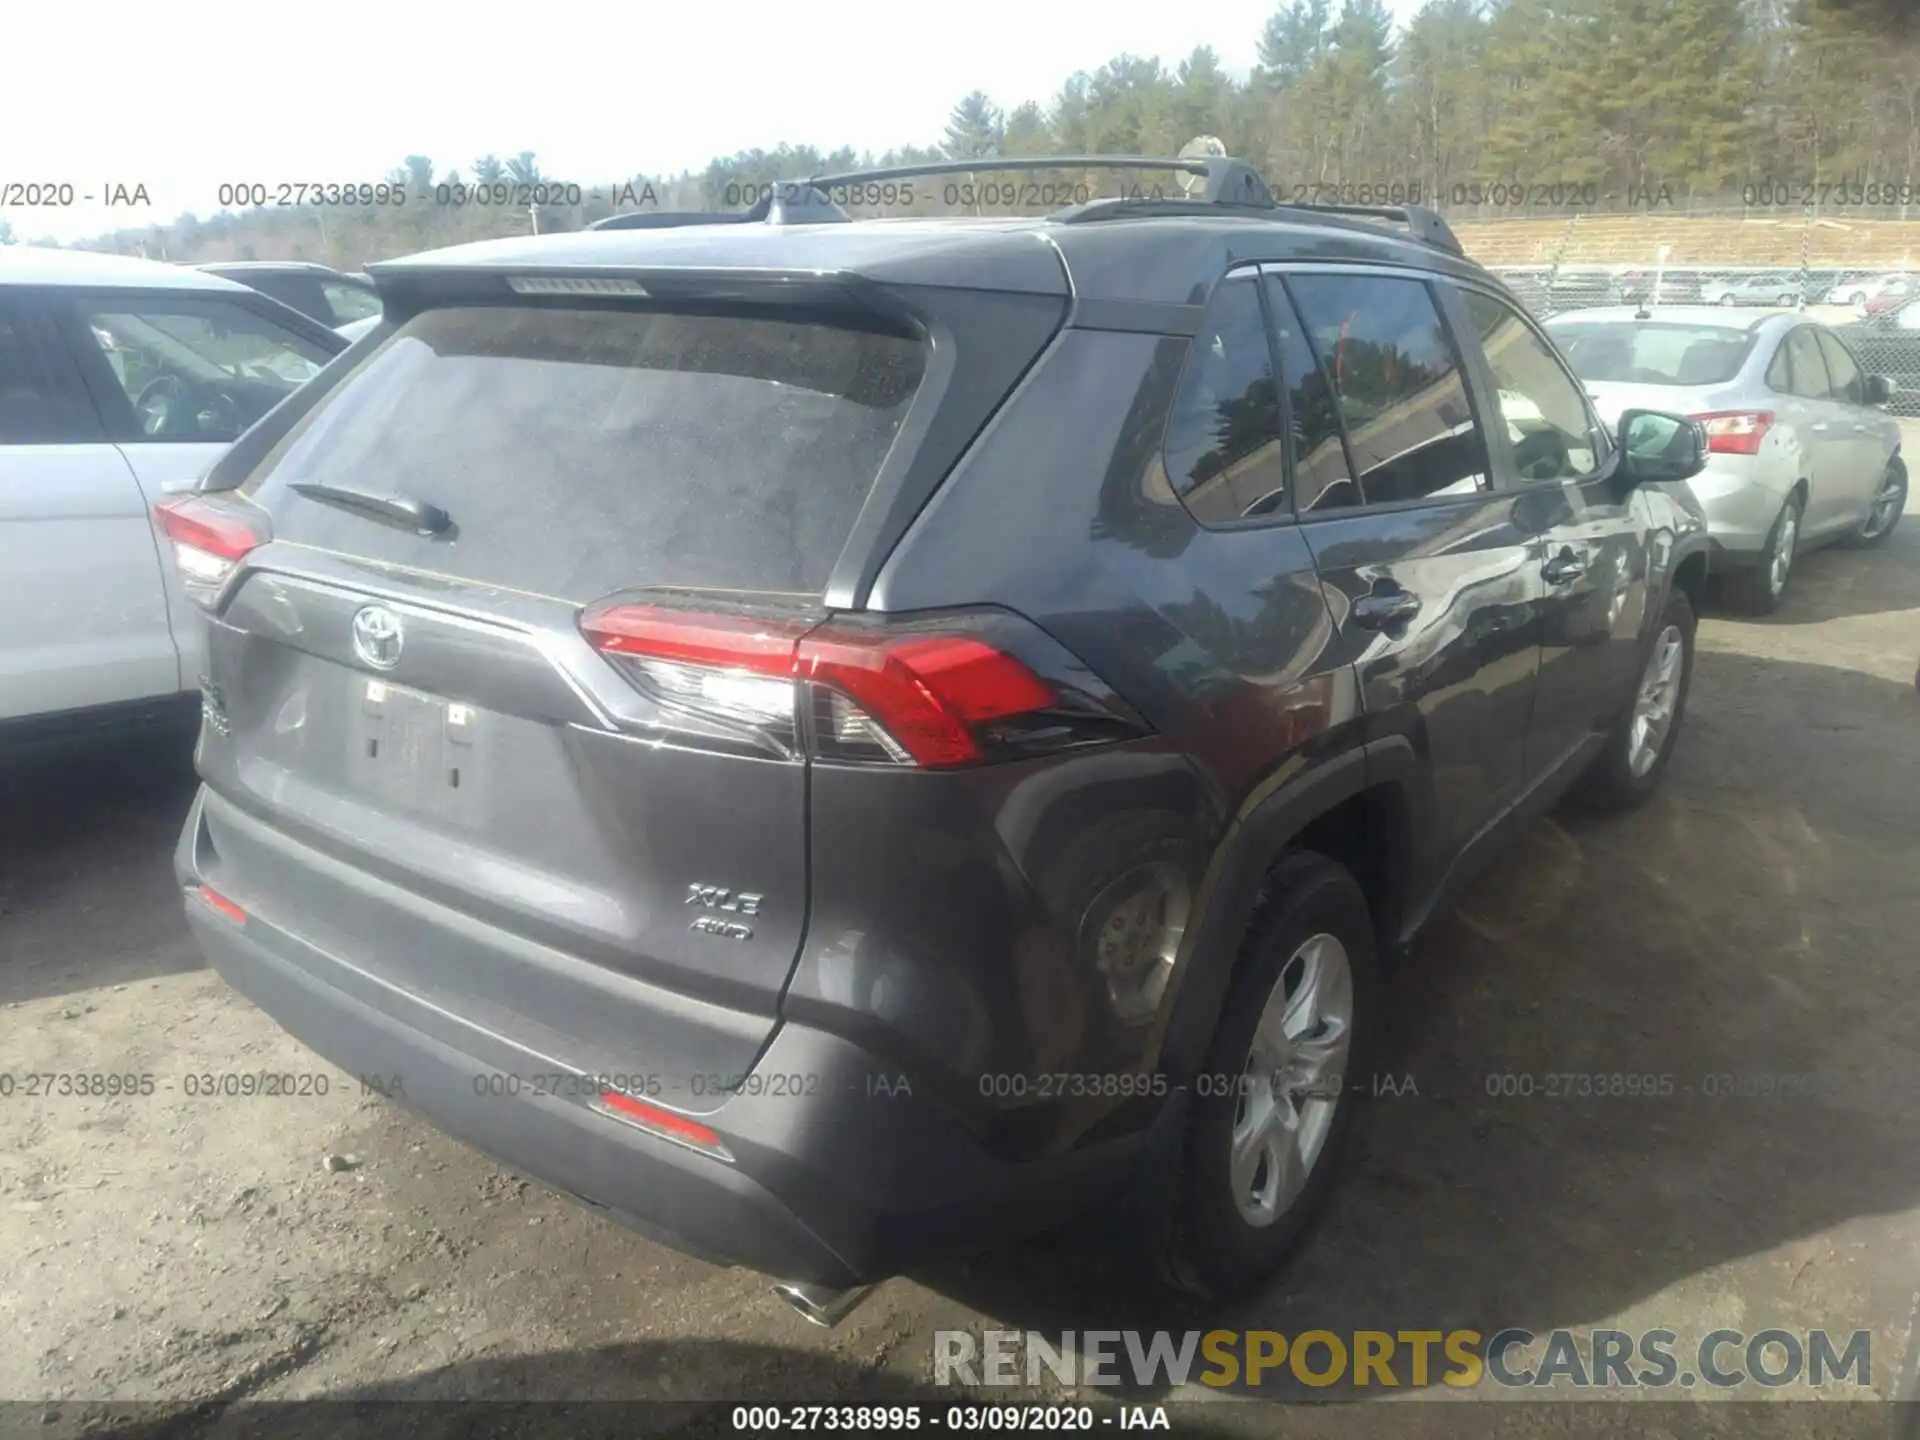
(1780, 559)
(1656, 700)
(1887, 505)
(1292, 1082)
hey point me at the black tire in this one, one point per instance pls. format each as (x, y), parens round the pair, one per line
(1867, 536)
(1753, 589)
(1210, 1249)
(1611, 783)
(1725, 300)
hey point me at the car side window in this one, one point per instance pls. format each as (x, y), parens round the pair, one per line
(41, 400)
(349, 302)
(1780, 371)
(1849, 384)
(193, 368)
(1545, 413)
(1322, 473)
(1397, 380)
(1806, 371)
(1223, 452)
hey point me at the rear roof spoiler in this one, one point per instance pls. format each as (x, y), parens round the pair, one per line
(1224, 184)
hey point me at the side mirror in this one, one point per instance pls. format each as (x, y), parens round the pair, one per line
(1657, 447)
(1879, 389)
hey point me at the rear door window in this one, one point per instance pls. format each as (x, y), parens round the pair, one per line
(582, 451)
(1848, 384)
(1322, 474)
(1398, 381)
(1806, 372)
(188, 368)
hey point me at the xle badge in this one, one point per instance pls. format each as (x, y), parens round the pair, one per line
(734, 902)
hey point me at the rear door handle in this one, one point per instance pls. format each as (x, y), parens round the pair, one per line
(1381, 609)
(1563, 567)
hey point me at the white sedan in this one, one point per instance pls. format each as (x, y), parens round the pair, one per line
(1800, 452)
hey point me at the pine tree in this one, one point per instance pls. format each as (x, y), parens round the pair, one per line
(975, 128)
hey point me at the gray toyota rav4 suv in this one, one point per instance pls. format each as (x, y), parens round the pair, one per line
(838, 741)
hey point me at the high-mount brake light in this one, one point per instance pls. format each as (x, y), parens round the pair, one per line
(906, 699)
(574, 285)
(209, 538)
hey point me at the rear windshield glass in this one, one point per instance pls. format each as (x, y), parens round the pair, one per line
(584, 451)
(1650, 353)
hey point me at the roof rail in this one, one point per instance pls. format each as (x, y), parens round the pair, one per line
(797, 202)
(1425, 223)
(1227, 181)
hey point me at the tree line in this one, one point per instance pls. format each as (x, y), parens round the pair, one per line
(1496, 106)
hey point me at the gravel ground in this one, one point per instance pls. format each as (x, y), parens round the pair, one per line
(1758, 919)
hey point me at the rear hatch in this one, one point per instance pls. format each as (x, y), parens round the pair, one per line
(425, 763)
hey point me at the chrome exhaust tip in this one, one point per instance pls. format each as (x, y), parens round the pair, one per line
(821, 1304)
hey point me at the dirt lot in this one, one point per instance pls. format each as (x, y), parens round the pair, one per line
(1759, 919)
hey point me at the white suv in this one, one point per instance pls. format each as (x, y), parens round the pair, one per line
(121, 381)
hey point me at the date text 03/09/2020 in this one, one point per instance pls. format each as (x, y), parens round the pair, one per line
(965, 1418)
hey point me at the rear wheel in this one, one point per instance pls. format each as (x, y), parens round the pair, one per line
(1726, 300)
(1274, 1100)
(1638, 748)
(1889, 503)
(1788, 302)
(1759, 589)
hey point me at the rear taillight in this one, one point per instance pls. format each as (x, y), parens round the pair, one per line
(209, 537)
(1736, 432)
(924, 697)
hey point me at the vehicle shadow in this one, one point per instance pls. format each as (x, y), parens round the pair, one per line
(1743, 947)
(1836, 581)
(86, 864)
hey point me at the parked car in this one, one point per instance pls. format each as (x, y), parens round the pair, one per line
(1784, 288)
(1858, 289)
(1801, 450)
(1891, 296)
(830, 799)
(315, 290)
(121, 381)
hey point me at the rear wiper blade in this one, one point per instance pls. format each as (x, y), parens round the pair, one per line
(419, 515)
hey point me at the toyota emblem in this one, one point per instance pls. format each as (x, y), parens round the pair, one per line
(377, 637)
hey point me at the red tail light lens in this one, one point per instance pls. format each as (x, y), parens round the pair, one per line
(913, 698)
(209, 538)
(1736, 432)
(927, 692)
(224, 906)
(657, 1120)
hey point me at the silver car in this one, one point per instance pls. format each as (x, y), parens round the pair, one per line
(1799, 452)
(1782, 288)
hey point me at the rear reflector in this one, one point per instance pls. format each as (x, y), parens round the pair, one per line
(662, 1122)
(1736, 432)
(915, 698)
(209, 538)
(223, 905)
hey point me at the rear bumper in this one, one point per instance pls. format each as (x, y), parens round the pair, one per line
(1741, 503)
(840, 1175)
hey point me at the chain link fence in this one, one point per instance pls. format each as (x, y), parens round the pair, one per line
(1860, 278)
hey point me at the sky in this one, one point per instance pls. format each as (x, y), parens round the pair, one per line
(184, 97)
